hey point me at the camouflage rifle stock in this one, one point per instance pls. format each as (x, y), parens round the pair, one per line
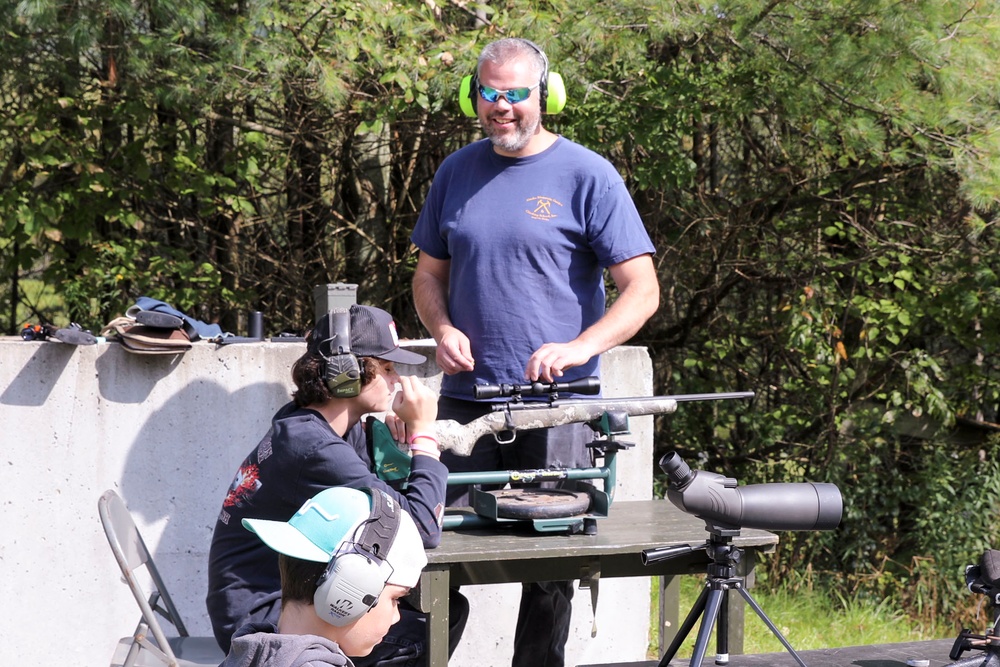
(508, 418)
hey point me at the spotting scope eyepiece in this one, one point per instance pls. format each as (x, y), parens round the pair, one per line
(678, 472)
(588, 386)
(779, 506)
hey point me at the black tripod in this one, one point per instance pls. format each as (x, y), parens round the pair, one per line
(713, 598)
(984, 579)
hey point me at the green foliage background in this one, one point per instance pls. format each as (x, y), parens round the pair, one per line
(821, 179)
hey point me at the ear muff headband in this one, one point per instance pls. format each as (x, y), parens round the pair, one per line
(353, 581)
(551, 88)
(342, 373)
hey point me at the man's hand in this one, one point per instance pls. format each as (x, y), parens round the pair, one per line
(550, 360)
(430, 296)
(454, 354)
(638, 298)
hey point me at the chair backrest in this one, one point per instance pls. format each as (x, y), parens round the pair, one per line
(131, 553)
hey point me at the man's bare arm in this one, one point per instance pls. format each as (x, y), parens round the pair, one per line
(638, 298)
(430, 296)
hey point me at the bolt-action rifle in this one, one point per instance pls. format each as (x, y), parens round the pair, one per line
(508, 417)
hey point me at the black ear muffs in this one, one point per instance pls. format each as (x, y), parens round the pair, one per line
(353, 581)
(551, 89)
(342, 372)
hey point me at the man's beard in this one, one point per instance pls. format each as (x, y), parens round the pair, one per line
(513, 142)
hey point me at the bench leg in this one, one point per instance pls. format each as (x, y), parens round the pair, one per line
(670, 609)
(434, 584)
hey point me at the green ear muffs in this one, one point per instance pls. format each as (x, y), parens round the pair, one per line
(553, 94)
(465, 97)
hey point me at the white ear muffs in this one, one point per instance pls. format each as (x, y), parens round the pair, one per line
(349, 588)
(353, 581)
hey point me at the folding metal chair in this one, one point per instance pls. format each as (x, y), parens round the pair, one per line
(141, 650)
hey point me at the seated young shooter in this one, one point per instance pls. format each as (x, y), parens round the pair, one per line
(347, 557)
(316, 442)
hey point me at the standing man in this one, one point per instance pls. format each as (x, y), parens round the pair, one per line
(514, 238)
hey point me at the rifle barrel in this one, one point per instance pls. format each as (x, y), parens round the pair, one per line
(680, 398)
(720, 396)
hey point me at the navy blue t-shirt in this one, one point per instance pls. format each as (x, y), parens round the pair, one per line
(528, 240)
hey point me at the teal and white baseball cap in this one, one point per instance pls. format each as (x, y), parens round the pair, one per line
(329, 524)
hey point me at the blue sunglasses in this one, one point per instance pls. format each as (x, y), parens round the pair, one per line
(513, 96)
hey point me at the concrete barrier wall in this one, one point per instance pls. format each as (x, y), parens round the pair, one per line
(167, 433)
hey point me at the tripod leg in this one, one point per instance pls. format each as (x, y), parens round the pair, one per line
(722, 633)
(715, 600)
(682, 632)
(774, 630)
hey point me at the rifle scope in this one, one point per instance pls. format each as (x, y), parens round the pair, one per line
(780, 506)
(588, 385)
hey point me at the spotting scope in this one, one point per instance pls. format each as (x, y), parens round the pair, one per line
(777, 506)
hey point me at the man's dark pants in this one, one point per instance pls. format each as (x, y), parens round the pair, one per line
(544, 616)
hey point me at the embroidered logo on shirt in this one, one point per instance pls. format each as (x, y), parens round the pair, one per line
(543, 208)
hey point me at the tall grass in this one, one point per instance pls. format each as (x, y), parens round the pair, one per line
(808, 618)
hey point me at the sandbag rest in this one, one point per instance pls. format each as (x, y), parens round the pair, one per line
(74, 335)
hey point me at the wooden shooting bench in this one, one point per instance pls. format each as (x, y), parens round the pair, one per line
(505, 554)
